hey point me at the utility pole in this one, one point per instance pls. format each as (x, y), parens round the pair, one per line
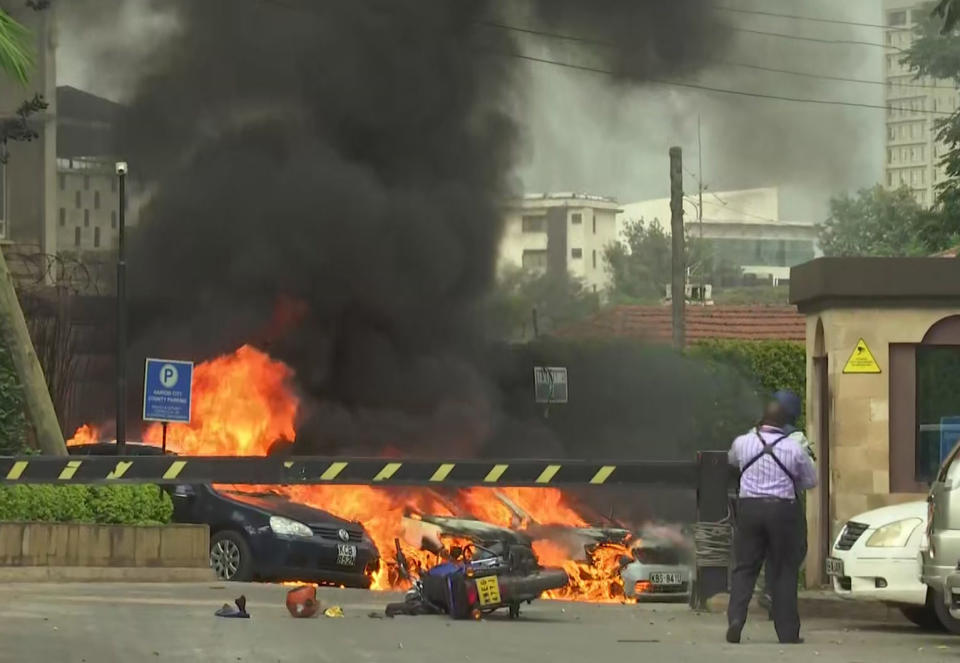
(700, 267)
(16, 336)
(678, 263)
(121, 350)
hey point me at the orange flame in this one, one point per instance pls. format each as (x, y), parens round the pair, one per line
(244, 402)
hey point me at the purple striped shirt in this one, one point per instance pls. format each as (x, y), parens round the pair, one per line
(765, 478)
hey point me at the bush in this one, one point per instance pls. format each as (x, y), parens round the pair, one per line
(13, 421)
(768, 365)
(116, 505)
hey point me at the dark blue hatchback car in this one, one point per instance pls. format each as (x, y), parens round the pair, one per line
(266, 536)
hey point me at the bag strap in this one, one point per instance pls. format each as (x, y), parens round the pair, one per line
(768, 451)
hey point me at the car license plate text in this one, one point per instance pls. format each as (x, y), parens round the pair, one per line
(346, 554)
(834, 566)
(665, 578)
(488, 590)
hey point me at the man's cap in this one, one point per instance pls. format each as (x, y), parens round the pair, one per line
(790, 403)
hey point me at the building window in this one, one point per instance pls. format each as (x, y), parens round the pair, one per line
(938, 410)
(86, 218)
(576, 253)
(594, 258)
(96, 200)
(594, 223)
(534, 224)
(113, 220)
(576, 219)
(76, 198)
(63, 181)
(534, 259)
(86, 182)
(63, 216)
(76, 236)
(897, 18)
(96, 237)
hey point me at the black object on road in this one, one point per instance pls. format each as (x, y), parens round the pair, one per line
(238, 612)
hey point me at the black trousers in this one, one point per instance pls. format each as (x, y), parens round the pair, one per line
(767, 575)
(767, 529)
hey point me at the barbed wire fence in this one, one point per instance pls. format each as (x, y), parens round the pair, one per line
(48, 286)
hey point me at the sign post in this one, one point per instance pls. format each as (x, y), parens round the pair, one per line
(167, 392)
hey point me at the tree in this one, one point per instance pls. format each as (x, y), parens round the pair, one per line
(16, 54)
(878, 222)
(639, 267)
(949, 11)
(936, 54)
(557, 300)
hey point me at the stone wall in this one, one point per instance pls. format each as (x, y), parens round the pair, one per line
(105, 546)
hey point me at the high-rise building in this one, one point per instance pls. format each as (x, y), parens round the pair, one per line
(913, 152)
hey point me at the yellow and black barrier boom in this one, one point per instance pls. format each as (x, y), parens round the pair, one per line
(323, 470)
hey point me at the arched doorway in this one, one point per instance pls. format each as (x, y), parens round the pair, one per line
(937, 395)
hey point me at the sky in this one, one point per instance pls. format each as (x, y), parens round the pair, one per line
(583, 132)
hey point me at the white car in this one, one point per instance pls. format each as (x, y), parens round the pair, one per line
(656, 572)
(877, 558)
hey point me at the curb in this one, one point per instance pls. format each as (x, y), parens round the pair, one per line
(15, 574)
(822, 606)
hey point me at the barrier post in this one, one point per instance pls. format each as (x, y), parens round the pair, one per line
(714, 527)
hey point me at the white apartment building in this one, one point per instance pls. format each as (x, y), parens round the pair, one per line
(744, 228)
(912, 151)
(560, 231)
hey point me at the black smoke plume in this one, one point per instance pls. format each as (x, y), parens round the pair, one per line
(348, 159)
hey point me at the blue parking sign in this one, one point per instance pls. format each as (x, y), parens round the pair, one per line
(167, 388)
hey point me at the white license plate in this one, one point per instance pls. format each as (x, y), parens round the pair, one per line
(666, 579)
(346, 554)
(834, 566)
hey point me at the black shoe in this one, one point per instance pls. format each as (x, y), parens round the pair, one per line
(733, 633)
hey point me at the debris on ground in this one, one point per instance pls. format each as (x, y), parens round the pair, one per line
(302, 601)
(333, 611)
(238, 610)
(376, 615)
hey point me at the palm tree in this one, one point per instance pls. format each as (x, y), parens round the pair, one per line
(16, 53)
(949, 11)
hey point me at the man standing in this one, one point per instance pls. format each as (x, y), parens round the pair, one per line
(792, 406)
(773, 470)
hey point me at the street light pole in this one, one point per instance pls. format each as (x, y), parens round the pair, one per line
(121, 358)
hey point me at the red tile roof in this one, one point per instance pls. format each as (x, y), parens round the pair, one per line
(755, 323)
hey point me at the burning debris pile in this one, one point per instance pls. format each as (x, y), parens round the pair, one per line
(245, 405)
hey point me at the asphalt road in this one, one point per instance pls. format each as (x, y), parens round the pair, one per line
(80, 623)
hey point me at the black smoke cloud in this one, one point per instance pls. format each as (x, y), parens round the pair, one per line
(351, 157)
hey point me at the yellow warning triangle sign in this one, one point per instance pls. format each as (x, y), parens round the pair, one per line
(861, 361)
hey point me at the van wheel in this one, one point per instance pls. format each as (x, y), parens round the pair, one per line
(943, 613)
(230, 557)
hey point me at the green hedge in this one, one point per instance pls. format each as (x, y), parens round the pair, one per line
(768, 365)
(118, 505)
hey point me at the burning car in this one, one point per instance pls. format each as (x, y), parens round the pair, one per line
(265, 535)
(655, 570)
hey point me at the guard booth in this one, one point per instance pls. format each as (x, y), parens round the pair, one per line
(883, 383)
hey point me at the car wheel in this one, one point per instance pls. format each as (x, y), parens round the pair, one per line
(230, 557)
(943, 613)
(923, 616)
